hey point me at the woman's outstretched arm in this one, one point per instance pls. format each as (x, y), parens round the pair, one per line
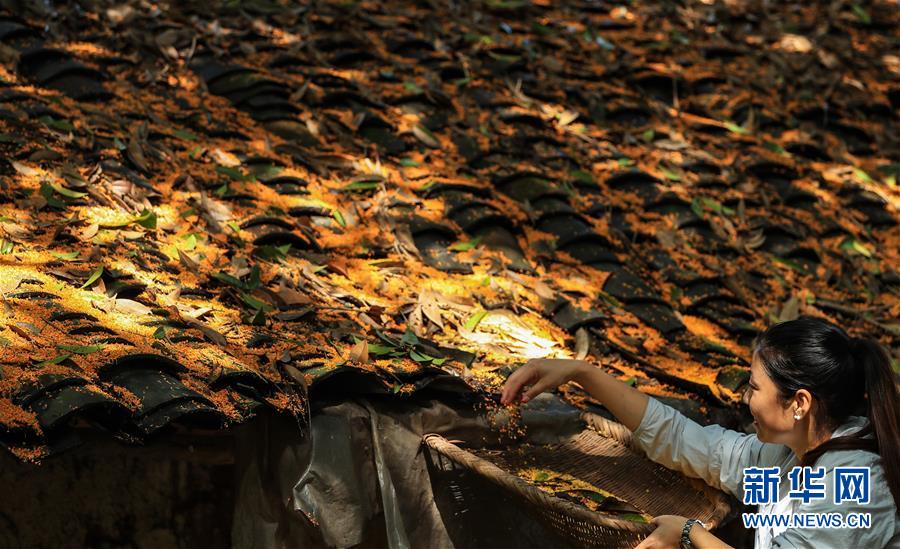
(539, 375)
(668, 437)
(629, 406)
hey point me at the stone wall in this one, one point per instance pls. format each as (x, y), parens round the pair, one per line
(104, 494)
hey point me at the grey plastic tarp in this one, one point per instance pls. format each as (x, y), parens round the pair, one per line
(358, 478)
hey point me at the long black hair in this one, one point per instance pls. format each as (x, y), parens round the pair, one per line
(846, 376)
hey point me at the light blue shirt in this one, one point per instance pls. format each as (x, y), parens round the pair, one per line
(718, 456)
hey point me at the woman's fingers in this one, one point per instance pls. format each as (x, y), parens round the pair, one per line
(514, 384)
(536, 389)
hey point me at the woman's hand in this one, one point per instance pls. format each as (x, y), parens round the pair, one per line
(667, 534)
(539, 375)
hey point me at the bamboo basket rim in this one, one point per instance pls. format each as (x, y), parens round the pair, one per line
(604, 428)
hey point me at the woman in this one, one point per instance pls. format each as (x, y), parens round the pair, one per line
(818, 397)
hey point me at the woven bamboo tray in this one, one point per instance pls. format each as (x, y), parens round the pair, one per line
(602, 455)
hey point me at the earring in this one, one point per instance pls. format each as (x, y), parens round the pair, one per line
(797, 415)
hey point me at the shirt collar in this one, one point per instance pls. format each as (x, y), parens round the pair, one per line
(852, 425)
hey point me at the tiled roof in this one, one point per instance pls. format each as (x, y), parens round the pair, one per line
(206, 210)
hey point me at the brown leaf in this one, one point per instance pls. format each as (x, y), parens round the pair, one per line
(135, 152)
(15, 230)
(296, 375)
(543, 290)
(188, 262)
(216, 213)
(360, 352)
(582, 343)
(24, 169)
(131, 306)
(290, 296)
(211, 334)
(225, 158)
(426, 137)
(89, 232)
(430, 308)
(790, 310)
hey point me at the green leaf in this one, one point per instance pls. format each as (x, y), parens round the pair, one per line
(409, 338)
(789, 263)
(68, 193)
(190, 241)
(230, 280)
(473, 321)
(670, 175)
(412, 87)
(851, 244)
(675, 293)
(361, 186)
(55, 360)
(609, 299)
(862, 14)
(273, 253)
(379, 350)
(6, 247)
(582, 176)
(146, 219)
(700, 204)
(7, 138)
(117, 143)
(254, 303)
(254, 281)
(697, 207)
(776, 148)
(409, 163)
(541, 476)
(863, 176)
(258, 319)
(93, 278)
(439, 361)
(466, 246)
(47, 192)
(339, 217)
(735, 128)
(630, 381)
(625, 162)
(419, 357)
(634, 517)
(265, 171)
(184, 134)
(648, 135)
(66, 256)
(160, 333)
(61, 124)
(80, 349)
(233, 173)
(507, 58)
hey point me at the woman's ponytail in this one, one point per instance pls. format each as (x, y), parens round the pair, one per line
(848, 376)
(883, 406)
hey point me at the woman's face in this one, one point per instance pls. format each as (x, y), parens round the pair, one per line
(774, 420)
